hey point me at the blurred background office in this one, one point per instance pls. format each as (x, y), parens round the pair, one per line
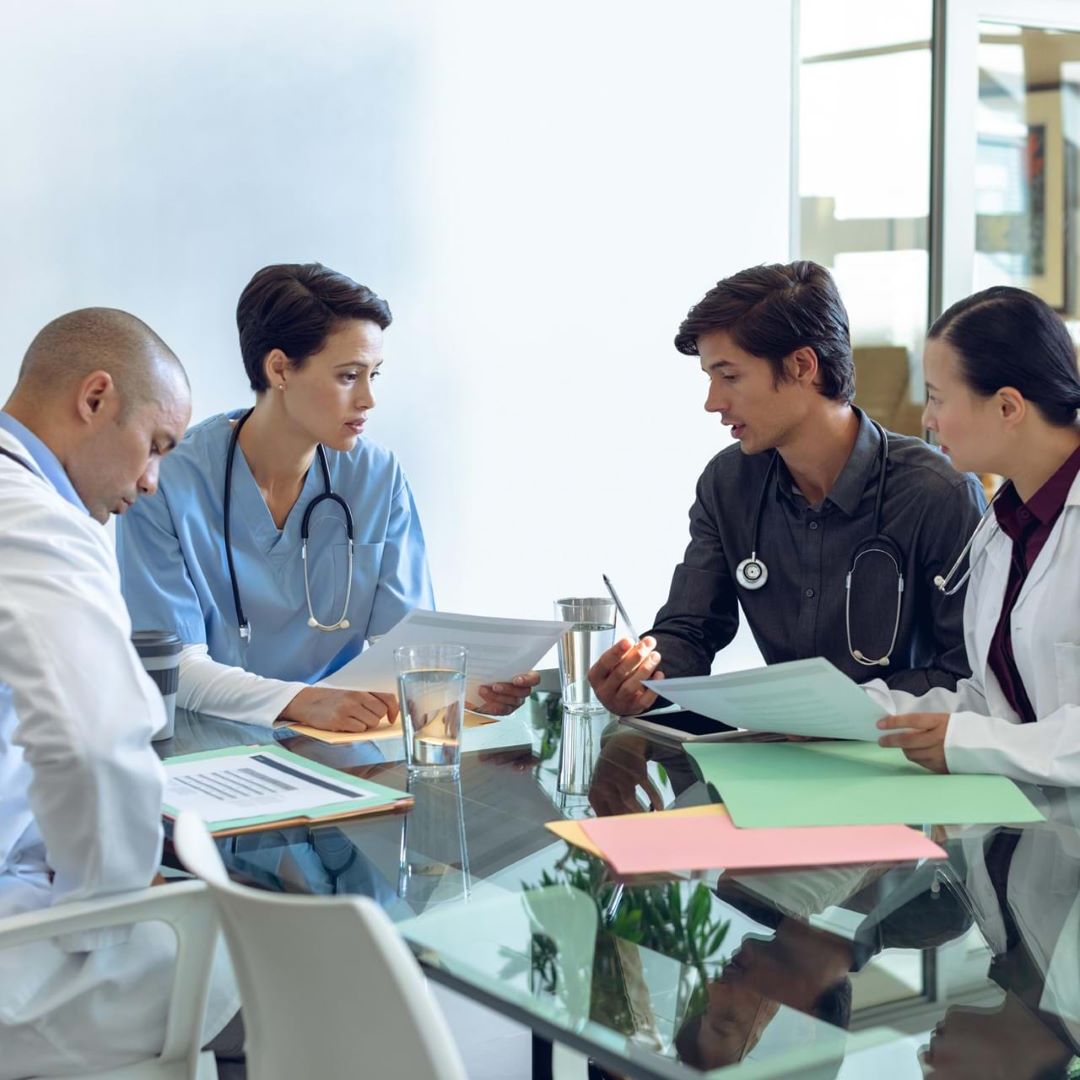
(541, 191)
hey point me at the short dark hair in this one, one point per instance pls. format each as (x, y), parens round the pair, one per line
(1006, 336)
(294, 307)
(770, 311)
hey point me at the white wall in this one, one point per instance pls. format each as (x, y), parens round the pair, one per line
(540, 191)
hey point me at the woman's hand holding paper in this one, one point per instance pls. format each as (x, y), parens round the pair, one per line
(922, 738)
(503, 698)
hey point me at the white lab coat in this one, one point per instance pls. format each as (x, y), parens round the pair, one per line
(985, 734)
(80, 792)
(1043, 895)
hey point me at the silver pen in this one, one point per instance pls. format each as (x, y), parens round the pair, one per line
(622, 611)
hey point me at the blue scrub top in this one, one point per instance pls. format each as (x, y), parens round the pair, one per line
(174, 573)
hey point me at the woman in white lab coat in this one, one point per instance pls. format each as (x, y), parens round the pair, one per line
(1002, 396)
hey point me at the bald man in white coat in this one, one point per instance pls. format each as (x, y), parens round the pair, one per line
(100, 399)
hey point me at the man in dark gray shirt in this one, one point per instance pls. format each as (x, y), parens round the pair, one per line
(800, 505)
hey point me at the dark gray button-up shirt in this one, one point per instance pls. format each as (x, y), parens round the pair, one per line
(929, 511)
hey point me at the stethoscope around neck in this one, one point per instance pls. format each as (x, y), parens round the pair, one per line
(752, 573)
(328, 493)
(941, 582)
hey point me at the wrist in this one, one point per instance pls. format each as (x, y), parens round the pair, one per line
(296, 706)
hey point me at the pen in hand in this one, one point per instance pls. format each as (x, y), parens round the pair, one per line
(619, 607)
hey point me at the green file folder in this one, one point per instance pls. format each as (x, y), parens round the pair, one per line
(230, 802)
(849, 783)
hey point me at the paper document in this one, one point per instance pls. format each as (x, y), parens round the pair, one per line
(499, 649)
(778, 784)
(247, 786)
(802, 697)
(383, 731)
(571, 831)
(659, 843)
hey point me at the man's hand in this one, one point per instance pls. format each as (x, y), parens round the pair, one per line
(341, 710)
(504, 697)
(924, 742)
(618, 674)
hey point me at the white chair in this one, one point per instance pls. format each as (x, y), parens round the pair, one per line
(329, 989)
(188, 909)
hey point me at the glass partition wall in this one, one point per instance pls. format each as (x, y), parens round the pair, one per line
(937, 154)
(1025, 177)
(864, 117)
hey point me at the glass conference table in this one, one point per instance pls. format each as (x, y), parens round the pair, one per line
(969, 968)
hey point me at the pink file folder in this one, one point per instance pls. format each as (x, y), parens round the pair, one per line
(659, 843)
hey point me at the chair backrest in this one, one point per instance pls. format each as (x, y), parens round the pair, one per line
(329, 989)
(187, 908)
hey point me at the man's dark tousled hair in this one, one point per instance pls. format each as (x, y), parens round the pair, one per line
(770, 311)
(294, 307)
(1006, 336)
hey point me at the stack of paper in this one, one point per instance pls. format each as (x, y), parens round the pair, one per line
(802, 697)
(778, 784)
(705, 838)
(498, 649)
(246, 788)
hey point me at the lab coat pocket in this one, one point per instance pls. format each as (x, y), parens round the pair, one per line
(1067, 663)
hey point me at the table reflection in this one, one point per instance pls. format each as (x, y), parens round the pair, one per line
(688, 972)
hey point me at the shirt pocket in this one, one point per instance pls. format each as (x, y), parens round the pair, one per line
(1067, 665)
(367, 560)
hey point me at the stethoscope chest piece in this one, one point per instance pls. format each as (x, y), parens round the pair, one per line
(751, 573)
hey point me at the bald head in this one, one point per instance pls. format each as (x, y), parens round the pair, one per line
(109, 398)
(73, 346)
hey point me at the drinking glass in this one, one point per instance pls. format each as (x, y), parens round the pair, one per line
(431, 691)
(593, 633)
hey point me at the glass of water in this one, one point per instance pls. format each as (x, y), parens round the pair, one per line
(580, 647)
(431, 691)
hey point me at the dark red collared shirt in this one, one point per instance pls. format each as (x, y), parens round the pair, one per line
(1027, 525)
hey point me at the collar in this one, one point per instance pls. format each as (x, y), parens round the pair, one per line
(1045, 505)
(855, 476)
(44, 459)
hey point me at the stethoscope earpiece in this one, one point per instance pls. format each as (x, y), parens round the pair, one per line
(863, 659)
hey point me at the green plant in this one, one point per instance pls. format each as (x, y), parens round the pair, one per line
(667, 917)
(546, 716)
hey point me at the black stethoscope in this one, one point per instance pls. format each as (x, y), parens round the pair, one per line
(942, 582)
(327, 493)
(752, 573)
(15, 457)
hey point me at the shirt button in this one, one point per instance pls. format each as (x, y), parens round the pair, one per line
(809, 594)
(813, 524)
(1024, 514)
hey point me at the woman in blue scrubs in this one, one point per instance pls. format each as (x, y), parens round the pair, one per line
(311, 341)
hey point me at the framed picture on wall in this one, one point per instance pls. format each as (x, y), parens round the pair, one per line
(1045, 159)
(1021, 218)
